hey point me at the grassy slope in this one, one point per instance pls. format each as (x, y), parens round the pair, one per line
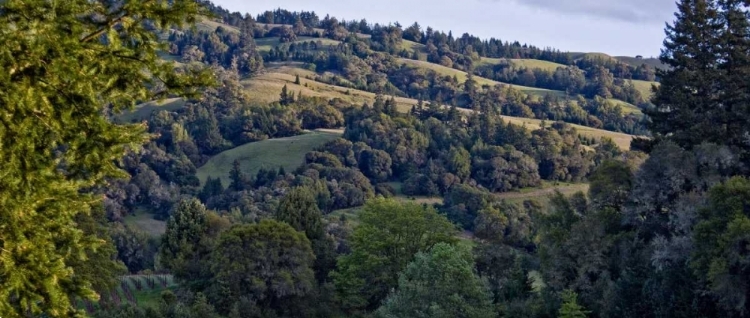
(143, 111)
(591, 55)
(644, 87)
(412, 46)
(522, 63)
(146, 223)
(542, 194)
(265, 88)
(209, 25)
(653, 62)
(627, 108)
(461, 75)
(266, 44)
(286, 152)
(621, 139)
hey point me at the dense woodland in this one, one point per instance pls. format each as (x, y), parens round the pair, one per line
(661, 232)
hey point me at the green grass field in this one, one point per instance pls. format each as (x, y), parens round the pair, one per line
(591, 55)
(143, 111)
(273, 153)
(412, 46)
(145, 222)
(542, 194)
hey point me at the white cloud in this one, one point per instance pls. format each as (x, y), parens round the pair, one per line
(635, 11)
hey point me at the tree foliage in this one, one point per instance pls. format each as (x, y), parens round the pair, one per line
(439, 283)
(68, 63)
(389, 235)
(266, 263)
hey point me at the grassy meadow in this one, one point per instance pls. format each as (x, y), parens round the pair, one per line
(272, 153)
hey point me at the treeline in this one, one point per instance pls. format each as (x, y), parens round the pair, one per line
(463, 52)
(592, 82)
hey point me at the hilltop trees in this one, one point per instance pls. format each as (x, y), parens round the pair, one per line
(68, 63)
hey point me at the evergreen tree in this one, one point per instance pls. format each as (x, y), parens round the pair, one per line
(237, 177)
(180, 250)
(296, 80)
(733, 121)
(67, 64)
(285, 98)
(688, 91)
(211, 187)
(299, 209)
(721, 255)
(570, 307)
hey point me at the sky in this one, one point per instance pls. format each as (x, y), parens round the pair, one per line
(615, 27)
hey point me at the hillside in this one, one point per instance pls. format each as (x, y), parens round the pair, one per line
(644, 87)
(461, 75)
(652, 62)
(521, 63)
(273, 153)
(143, 111)
(265, 88)
(266, 44)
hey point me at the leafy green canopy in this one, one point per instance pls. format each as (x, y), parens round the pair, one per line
(388, 237)
(440, 283)
(66, 64)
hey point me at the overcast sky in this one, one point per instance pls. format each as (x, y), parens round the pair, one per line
(615, 27)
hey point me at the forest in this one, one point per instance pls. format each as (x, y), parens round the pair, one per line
(174, 159)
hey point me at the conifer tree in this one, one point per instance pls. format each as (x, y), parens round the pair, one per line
(66, 64)
(687, 93)
(237, 177)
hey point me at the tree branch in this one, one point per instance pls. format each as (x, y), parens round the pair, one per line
(103, 29)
